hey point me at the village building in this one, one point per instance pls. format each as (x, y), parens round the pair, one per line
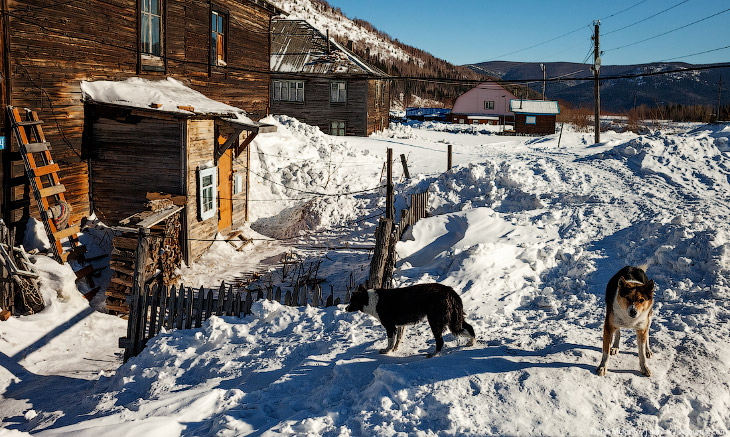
(535, 117)
(322, 83)
(487, 103)
(427, 114)
(49, 48)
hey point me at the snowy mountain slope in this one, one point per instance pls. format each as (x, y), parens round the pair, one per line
(528, 234)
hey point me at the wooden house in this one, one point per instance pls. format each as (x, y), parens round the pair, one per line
(160, 136)
(535, 117)
(322, 83)
(486, 103)
(219, 47)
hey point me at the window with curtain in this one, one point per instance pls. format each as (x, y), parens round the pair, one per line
(338, 92)
(218, 23)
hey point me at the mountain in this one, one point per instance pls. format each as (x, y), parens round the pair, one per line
(684, 88)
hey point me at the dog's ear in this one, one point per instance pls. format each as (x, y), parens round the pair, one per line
(361, 288)
(649, 287)
(622, 282)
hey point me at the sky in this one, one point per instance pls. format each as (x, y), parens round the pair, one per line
(472, 31)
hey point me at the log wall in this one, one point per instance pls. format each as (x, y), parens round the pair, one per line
(53, 46)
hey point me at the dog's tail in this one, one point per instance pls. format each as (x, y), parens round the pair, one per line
(457, 324)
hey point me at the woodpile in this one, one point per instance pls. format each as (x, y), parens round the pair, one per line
(162, 249)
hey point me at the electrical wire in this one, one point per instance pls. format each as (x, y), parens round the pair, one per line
(694, 54)
(645, 19)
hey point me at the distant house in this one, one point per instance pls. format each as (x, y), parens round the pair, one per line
(535, 117)
(427, 114)
(487, 103)
(321, 83)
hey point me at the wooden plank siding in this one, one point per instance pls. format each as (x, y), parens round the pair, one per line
(317, 110)
(199, 152)
(97, 40)
(544, 124)
(378, 105)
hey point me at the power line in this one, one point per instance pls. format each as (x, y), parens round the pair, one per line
(647, 18)
(669, 31)
(695, 54)
(624, 10)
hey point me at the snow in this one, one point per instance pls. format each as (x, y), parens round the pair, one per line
(169, 93)
(526, 231)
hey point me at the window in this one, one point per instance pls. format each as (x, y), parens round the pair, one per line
(489, 104)
(530, 119)
(237, 183)
(337, 128)
(151, 27)
(218, 23)
(289, 90)
(338, 92)
(207, 192)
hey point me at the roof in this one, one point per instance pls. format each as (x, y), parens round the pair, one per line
(298, 47)
(168, 96)
(534, 107)
(268, 6)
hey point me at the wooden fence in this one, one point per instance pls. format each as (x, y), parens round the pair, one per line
(387, 235)
(19, 289)
(185, 308)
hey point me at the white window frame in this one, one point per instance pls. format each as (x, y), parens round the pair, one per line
(338, 91)
(488, 104)
(207, 193)
(530, 119)
(237, 183)
(288, 91)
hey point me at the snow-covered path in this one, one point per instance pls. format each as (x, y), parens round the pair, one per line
(526, 232)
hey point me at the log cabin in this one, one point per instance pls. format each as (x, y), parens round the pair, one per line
(322, 83)
(535, 117)
(219, 48)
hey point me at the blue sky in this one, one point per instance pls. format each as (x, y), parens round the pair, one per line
(470, 31)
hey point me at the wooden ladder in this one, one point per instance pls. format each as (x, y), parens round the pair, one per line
(44, 181)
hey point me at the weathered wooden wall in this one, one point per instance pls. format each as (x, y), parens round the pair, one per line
(378, 105)
(545, 125)
(199, 152)
(317, 109)
(55, 45)
(128, 160)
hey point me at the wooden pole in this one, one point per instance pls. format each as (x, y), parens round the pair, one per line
(140, 262)
(380, 255)
(448, 157)
(405, 166)
(389, 201)
(596, 85)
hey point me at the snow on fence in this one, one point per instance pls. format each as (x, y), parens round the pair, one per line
(185, 308)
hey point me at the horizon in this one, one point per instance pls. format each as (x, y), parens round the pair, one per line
(631, 31)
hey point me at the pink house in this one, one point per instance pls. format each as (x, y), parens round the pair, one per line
(487, 103)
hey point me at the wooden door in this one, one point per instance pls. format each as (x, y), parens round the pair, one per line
(225, 192)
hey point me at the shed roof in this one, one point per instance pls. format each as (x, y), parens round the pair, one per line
(535, 107)
(298, 47)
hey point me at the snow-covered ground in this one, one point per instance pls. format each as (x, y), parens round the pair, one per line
(526, 231)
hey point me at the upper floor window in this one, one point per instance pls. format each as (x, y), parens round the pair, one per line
(338, 92)
(288, 90)
(489, 104)
(219, 24)
(151, 27)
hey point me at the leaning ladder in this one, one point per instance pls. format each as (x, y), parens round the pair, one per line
(44, 181)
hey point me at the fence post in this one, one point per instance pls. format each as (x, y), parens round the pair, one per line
(405, 166)
(380, 255)
(448, 158)
(389, 203)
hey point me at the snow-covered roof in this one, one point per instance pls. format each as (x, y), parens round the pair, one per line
(167, 95)
(537, 107)
(298, 47)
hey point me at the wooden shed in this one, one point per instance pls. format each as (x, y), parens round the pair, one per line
(160, 136)
(534, 117)
(322, 83)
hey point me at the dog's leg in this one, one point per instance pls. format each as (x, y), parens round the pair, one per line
(469, 330)
(608, 332)
(616, 342)
(391, 331)
(398, 337)
(438, 331)
(642, 337)
(648, 353)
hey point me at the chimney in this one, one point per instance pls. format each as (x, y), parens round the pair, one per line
(350, 45)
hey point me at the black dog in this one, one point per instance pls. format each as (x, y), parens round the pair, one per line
(398, 307)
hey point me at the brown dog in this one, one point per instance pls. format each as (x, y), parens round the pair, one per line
(629, 298)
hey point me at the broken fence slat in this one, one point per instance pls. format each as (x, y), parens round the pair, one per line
(163, 309)
(189, 309)
(180, 307)
(209, 304)
(200, 305)
(221, 299)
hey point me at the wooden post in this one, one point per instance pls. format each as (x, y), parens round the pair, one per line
(380, 255)
(448, 157)
(389, 193)
(140, 262)
(405, 166)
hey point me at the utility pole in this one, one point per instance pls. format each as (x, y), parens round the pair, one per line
(596, 90)
(719, 96)
(543, 80)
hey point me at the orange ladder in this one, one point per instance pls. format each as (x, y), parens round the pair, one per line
(44, 181)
